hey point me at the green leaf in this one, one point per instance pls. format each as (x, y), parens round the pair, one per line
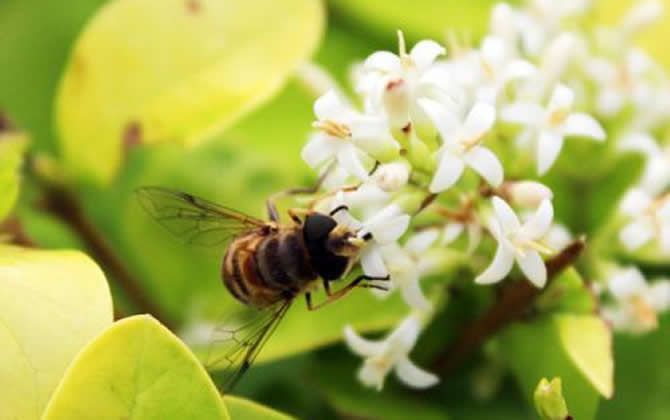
(567, 293)
(175, 70)
(33, 60)
(576, 348)
(136, 369)
(51, 304)
(642, 376)
(243, 409)
(420, 19)
(12, 146)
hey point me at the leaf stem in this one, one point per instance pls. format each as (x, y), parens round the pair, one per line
(514, 301)
(63, 204)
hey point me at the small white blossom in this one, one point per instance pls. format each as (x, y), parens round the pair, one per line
(394, 82)
(636, 303)
(392, 176)
(461, 138)
(650, 220)
(656, 176)
(385, 226)
(347, 136)
(518, 242)
(558, 237)
(552, 124)
(389, 354)
(406, 267)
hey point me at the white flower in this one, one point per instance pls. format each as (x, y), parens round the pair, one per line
(394, 82)
(392, 176)
(651, 220)
(390, 354)
(552, 124)
(656, 175)
(498, 66)
(406, 267)
(461, 138)
(385, 227)
(347, 136)
(518, 242)
(621, 82)
(519, 29)
(636, 303)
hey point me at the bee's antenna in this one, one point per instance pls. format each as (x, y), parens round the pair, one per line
(339, 208)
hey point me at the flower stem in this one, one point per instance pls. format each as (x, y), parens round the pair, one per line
(514, 301)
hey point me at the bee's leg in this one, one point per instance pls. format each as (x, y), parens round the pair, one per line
(343, 291)
(295, 214)
(272, 207)
(326, 287)
(308, 299)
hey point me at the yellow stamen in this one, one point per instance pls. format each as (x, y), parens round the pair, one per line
(333, 128)
(644, 313)
(557, 117)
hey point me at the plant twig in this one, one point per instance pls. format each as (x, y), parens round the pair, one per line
(514, 301)
(65, 206)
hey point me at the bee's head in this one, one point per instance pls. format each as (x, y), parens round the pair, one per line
(336, 238)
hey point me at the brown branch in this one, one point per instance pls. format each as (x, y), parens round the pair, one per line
(65, 206)
(514, 301)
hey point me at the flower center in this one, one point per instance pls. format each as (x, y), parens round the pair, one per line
(557, 117)
(333, 128)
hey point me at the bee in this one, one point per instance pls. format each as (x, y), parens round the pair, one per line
(266, 265)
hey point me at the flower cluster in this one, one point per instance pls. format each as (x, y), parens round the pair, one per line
(439, 140)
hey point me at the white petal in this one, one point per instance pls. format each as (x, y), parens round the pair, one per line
(562, 98)
(371, 374)
(383, 61)
(658, 295)
(610, 101)
(635, 202)
(528, 193)
(361, 346)
(486, 164)
(639, 142)
(522, 113)
(538, 225)
(319, 149)
(518, 69)
(413, 376)
(505, 215)
(499, 268)
(636, 234)
(626, 282)
(533, 267)
(372, 262)
(493, 51)
(445, 121)
(413, 295)
(403, 338)
(422, 240)
(330, 106)
(448, 172)
(479, 121)
(348, 158)
(451, 232)
(474, 237)
(579, 124)
(549, 145)
(425, 52)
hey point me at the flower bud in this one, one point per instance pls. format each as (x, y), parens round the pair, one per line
(396, 105)
(527, 193)
(392, 176)
(641, 16)
(549, 400)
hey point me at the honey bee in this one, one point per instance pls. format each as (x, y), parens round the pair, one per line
(266, 264)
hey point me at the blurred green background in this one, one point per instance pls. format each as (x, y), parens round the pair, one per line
(237, 150)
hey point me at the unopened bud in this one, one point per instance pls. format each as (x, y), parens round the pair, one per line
(392, 176)
(641, 16)
(396, 104)
(527, 193)
(549, 400)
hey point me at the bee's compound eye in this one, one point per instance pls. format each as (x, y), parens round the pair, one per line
(318, 226)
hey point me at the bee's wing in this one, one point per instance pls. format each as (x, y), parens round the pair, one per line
(236, 343)
(195, 220)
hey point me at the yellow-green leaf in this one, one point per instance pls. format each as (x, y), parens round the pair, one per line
(137, 369)
(12, 145)
(175, 70)
(588, 343)
(243, 409)
(51, 304)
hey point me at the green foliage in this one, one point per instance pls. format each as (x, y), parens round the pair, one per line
(12, 146)
(175, 71)
(136, 369)
(575, 347)
(51, 304)
(241, 409)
